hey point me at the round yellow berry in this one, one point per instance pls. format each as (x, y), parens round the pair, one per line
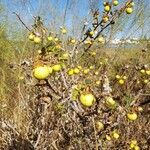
(87, 99)
(115, 135)
(37, 40)
(57, 67)
(71, 72)
(76, 70)
(121, 81)
(99, 125)
(132, 116)
(107, 8)
(41, 72)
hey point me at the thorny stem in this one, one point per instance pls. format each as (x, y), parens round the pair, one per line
(116, 14)
(21, 21)
(96, 145)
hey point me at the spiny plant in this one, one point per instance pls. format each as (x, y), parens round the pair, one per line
(81, 99)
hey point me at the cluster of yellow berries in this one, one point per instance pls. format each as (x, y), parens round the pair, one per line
(143, 71)
(114, 134)
(146, 73)
(79, 69)
(107, 6)
(63, 30)
(72, 41)
(129, 7)
(134, 145)
(34, 38)
(50, 39)
(37, 39)
(73, 71)
(121, 79)
(42, 72)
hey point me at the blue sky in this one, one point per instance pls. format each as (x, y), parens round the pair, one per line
(54, 10)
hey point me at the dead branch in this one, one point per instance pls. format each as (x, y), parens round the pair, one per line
(21, 21)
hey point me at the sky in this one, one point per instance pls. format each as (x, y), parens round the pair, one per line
(51, 10)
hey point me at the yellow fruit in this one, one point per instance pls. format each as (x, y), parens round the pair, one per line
(132, 145)
(96, 73)
(56, 78)
(79, 67)
(98, 82)
(37, 40)
(108, 137)
(86, 71)
(106, 59)
(115, 135)
(99, 125)
(64, 31)
(56, 67)
(31, 37)
(110, 102)
(91, 33)
(138, 82)
(104, 3)
(132, 4)
(65, 56)
(41, 72)
(134, 142)
(121, 81)
(115, 3)
(50, 38)
(91, 67)
(142, 71)
(148, 72)
(21, 77)
(100, 63)
(118, 77)
(58, 46)
(105, 19)
(87, 99)
(56, 39)
(132, 116)
(107, 8)
(124, 77)
(76, 70)
(50, 70)
(71, 72)
(101, 40)
(136, 147)
(129, 10)
(39, 51)
(140, 109)
(63, 65)
(73, 41)
(87, 42)
(93, 53)
(146, 81)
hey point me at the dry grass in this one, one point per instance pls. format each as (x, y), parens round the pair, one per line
(38, 115)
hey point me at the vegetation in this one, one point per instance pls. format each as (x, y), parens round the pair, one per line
(62, 91)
